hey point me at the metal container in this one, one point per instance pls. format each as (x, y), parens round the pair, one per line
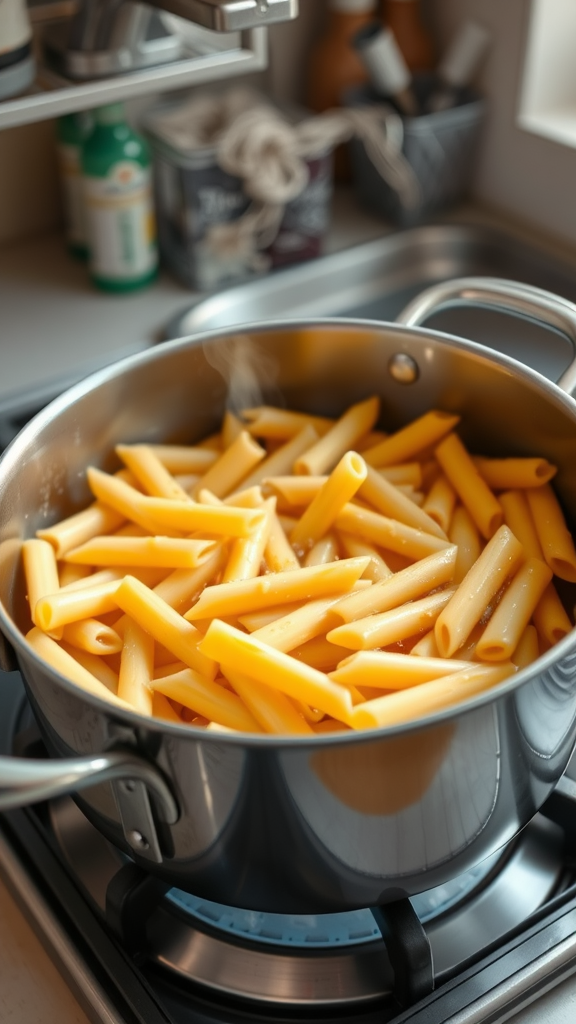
(440, 148)
(283, 824)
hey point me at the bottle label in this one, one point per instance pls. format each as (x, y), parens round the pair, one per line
(121, 226)
(73, 194)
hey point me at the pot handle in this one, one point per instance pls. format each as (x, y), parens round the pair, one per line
(505, 296)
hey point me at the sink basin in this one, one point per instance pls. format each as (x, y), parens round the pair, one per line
(377, 279)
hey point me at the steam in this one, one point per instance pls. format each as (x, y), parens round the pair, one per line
(249, 372)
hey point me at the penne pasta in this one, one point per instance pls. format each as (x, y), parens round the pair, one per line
(388, 533)
(344, 480)
(332, 577)
(555, 539)
(164, 624)
(92, 636)
(497, 562)
(512, 615)
(473, 491)
(208, 698)
(505, 474)
(274, 712)
(266, 665)
(150, 472)
(413, 582)
(429, 697)
(440, 502)
(41, 572)
(386, 498)
(235, 463)
(340, 438)
(136, 668)
(463, 533)
(389, 627)
(411, 440)
(244, 596)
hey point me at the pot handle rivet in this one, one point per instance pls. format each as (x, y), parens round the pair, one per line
(403, 368)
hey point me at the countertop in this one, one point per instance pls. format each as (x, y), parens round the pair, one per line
(55, 327)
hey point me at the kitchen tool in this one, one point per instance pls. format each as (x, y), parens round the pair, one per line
(439, 149)
(459, 65)
(276, 823)
(387, 70)
(17, 67)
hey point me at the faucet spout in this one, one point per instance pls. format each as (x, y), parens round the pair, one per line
(231, 15)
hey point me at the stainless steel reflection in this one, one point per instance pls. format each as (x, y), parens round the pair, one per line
(276, 824)
(237, 963)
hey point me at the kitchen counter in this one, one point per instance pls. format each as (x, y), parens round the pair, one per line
(56, 328)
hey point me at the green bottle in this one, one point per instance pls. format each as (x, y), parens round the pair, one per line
(72, 130)
(117, 174)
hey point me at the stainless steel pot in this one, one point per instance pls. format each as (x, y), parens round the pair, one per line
(281, 824)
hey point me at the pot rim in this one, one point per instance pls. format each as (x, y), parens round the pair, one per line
(101, 376)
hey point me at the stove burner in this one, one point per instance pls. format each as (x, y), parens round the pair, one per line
(324, 931)
(267, 957)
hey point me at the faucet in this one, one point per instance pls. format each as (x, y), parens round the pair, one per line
(231, 15)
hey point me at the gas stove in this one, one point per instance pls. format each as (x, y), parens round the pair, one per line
(497, 941)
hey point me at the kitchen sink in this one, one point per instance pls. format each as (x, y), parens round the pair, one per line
(377, 279)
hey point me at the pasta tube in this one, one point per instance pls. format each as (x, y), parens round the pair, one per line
(406, 585)
(270, 422)
(388, 533)
(385, 670)
(342, 484)
(518, 518)
(471, 488)
(188, 517)
(464, 534)
(184, 459)
(235, 463)
(390, 501)
(342, 436)
(498, 561)
(136, 668)
(411, 440)
(508, 622)
(440, 501)
(247, 553)
(166, 625)
(73, 604)
(550, 617)
(41, 572)
(264, 664)
(553, 534)
(92, 636)
(389, 627)
(58, 658)
(429, 697)
(69, 533)
(504, 474)
(158, 552)
(143, 462)
(243, 596)
(208, 698)
(273, 710)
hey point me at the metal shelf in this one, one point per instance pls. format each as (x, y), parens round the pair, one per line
(53, 95)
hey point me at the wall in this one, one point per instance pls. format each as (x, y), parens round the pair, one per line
(530, 177)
